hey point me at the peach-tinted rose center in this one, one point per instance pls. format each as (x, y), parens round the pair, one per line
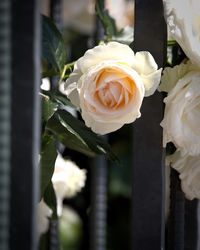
(114, 89)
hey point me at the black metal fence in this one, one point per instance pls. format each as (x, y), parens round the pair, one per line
(20, 30)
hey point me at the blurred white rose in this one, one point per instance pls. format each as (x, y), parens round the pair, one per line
(122, 11)
(67, 179)
(189, 169)
(181, 123)
(109, 83)
(80, 14)
(183, 19)
(44, 213)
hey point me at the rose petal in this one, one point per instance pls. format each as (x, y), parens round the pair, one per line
(183, 21)
(151, 82)
(111, 51)
(146, 67)
(188, 167)
(181, 119)
(72, 93)
(172, 75)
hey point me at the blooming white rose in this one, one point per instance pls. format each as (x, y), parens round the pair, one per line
(183, 19)
(44, 213)
(181, 123)
(67, 179)
(189, 169)
(109, 83)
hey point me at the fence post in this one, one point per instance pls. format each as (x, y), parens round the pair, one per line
(25, 130)
(5, 120)
(98, 217)
(148, 168)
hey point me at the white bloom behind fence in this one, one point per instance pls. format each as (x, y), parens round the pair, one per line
(44, 213)
(189, 169)
(182, 112)
(68, 179)
(183, 19)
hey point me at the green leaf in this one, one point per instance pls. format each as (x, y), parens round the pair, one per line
(107, 21)
(48, 108)
(67, 138)
(47, 162)
(64, 100)
(172, 42)
(44, 241)
(59, 98)
(50, 199)
(53, 46)
(50, 73)
(85, 135)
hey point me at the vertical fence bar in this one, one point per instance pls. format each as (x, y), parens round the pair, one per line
(98, 204)
(56, 13)
(148, 168)
(191, 225)
(56, 16)
(5, 107)
(98, 218)
(25, 123)
(175, 230)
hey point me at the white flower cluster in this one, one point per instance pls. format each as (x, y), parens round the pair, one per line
(182, 112)
(67, 179)
(44, 213)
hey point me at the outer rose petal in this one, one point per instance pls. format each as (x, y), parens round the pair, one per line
(151, 82)
(99, 127)
(111, 51)
(144, 63)
(182, 115)
(183, 21)
(72, 93)
(146, 67)
(188, 167)
(172, 75)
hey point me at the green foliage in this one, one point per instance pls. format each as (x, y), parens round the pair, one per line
(63, 100)
(107, 21)
(47, 162)
(48, 108)
(75, 135)
(50, 73)
(67, 138)
(59, 98)
(50, 199)
(44, 242)
(85, 135)
(53, 46)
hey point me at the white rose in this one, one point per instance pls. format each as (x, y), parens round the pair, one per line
(109, 83)
(183, 19)
(182, 112)
(189, 169)
(67, 179)
(44, 213)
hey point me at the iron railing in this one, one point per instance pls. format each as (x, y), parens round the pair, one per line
(19, 140)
